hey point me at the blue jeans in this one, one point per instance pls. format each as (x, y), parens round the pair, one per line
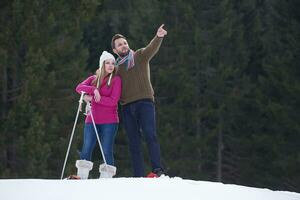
(107, 133)
(139, 117)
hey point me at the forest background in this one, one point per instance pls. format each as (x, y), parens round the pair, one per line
(226, 82)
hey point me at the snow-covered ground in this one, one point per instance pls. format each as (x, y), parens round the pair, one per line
(133, 189)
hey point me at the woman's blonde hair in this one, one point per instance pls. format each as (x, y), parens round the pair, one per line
(100, 75)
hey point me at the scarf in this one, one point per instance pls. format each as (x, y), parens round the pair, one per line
(127, 60)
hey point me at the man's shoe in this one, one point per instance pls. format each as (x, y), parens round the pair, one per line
(156, 173)
(152, 175)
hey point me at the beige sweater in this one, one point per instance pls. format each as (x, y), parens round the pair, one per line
(136, 82)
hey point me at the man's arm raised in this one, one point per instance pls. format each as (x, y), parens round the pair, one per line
(151, 49)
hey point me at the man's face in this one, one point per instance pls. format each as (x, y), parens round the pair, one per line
(121, 47)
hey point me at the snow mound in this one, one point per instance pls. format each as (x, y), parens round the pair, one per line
(133, 188)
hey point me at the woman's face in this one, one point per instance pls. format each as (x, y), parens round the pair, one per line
(109, 65)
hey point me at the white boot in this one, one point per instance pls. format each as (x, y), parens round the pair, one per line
(83, 168)
(107, 171)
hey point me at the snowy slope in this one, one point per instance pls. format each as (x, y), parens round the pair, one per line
(133, 188)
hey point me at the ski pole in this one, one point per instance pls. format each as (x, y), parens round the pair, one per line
(73, 130)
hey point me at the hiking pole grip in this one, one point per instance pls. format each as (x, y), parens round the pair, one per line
(72, 134)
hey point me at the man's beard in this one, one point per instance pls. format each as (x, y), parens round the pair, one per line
(121, 54)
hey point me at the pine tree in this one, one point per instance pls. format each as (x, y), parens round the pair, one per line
(46, 56)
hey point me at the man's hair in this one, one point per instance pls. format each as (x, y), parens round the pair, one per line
(115, 37)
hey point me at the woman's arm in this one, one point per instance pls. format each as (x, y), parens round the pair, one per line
(86, 86)
(113, 99)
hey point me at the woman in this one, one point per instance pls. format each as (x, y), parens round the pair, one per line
(103, 90)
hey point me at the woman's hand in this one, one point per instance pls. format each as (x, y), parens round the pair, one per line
(97, 96)
(87, 98)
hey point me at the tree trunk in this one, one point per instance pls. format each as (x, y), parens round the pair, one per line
(220, 149)
(4, 90)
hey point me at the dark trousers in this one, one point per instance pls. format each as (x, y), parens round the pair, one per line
(139, 117)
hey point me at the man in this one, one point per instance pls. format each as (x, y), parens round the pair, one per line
(137, 100)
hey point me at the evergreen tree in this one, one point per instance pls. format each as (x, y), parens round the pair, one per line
(225, 79)
(45, 55)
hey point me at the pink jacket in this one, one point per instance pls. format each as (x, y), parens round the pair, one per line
(106, 110)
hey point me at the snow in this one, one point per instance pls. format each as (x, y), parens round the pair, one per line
(134, 188)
